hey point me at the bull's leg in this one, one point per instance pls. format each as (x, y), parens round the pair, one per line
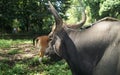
(108, 65)
(118, 64)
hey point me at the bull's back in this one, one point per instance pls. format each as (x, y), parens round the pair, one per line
(102, 41)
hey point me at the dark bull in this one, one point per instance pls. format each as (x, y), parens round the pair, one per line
(93, 51)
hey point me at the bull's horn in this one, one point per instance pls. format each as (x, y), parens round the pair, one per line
(58, 19)
(81, 23)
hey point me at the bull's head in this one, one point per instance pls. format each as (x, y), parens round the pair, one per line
(55, 43)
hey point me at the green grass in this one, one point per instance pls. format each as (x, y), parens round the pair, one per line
(8, 43)
(28, 66)
(14, 51)
(5, 43)
(59, 68)
(33, 67)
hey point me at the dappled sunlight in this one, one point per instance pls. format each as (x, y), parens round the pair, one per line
(20, 58)
(18, 51)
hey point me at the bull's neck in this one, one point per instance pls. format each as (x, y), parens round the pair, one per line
(71, 55)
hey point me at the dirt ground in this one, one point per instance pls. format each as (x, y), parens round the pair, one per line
(18, 52)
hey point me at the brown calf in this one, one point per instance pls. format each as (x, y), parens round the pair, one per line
(40, 43)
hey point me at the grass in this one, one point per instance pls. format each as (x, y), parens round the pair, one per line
(33, 67)
(5, 43)
(14, 51)
(27, 66)
(8, 43)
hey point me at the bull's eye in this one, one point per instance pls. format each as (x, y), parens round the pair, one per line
(50, 39)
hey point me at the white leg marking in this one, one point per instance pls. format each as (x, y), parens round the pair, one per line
(40, 59)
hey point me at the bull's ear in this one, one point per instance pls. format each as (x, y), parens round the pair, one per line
(57, 46)
(58, 19)
(58, 43)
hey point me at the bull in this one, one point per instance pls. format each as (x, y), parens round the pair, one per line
(93, 51)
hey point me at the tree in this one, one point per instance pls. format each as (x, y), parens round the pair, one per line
(74, 12)
(110, 8)
(32, 15)
(103, 8)
(7, 12)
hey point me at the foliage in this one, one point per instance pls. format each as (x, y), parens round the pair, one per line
(74, 12)
(103, 8)
(28, 66)
(95, 10)
(111, 6)
(25, 68)
(28, 15)
(33, 15)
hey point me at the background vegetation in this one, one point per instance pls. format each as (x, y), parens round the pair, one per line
(28, 15)
(32, 17)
